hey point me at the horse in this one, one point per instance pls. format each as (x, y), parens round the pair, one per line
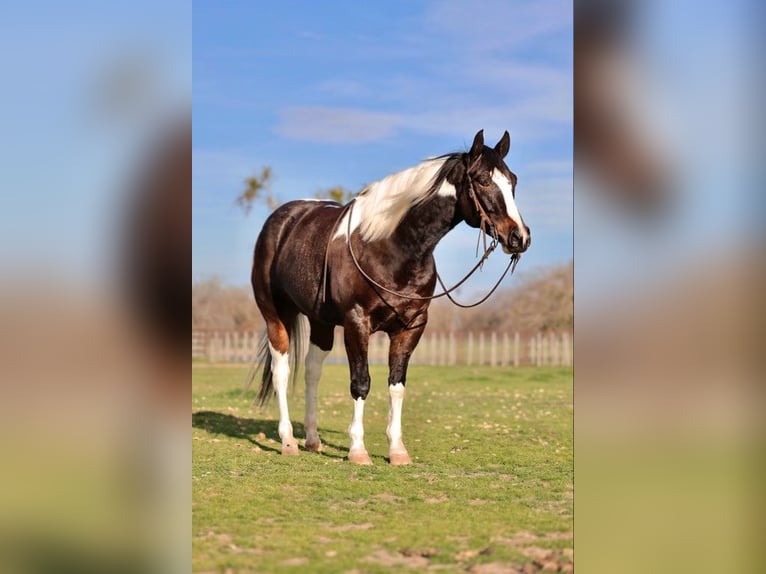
(369, 266)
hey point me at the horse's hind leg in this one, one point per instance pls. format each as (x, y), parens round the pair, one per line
(279, 346)
(320, 346)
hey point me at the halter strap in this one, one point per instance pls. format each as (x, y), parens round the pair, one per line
(485, 223)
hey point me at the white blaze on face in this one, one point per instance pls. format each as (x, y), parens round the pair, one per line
(506, 188)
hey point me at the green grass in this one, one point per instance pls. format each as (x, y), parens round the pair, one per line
(491, 479)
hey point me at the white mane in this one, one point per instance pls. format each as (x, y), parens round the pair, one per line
(380, 207)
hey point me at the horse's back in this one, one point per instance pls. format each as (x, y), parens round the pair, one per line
(290, 250)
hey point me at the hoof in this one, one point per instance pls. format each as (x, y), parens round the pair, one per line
(314, 446)
(359, 457)
(399, 458)
(290, 449)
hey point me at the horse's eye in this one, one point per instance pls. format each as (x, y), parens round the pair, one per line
(484, 180)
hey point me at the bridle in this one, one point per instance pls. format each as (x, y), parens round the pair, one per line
(486, 228)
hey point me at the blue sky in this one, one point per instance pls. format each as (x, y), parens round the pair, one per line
(344, 93)
(68, 161)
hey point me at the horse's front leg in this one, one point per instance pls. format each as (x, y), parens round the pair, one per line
(400, 351)
(356, 331)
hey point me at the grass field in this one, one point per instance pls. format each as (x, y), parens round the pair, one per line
(490, 487)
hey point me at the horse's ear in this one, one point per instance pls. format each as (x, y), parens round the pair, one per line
(478, 144)
(503, 145)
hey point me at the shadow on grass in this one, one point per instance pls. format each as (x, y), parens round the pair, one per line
(249, 429)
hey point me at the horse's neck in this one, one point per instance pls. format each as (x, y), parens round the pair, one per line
(424, 226)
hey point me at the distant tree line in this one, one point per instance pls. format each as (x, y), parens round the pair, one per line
(542, 301)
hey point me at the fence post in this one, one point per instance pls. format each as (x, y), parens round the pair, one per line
(516, 349)
(481, 348)
(540, 350)
(432, 348)
(567, 359)
(470, 348)
(493, 349)
(452, 349)
(506, 349)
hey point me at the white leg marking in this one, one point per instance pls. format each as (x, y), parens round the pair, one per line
(396, 451)
(314, 360)
(358, 453)
(394, 430)
(356, 428)
(280, 373)
(510, 204)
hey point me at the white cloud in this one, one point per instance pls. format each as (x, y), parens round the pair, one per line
(336, 125)
(532, 120)
(497, 24)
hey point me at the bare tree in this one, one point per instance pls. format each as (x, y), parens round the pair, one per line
(337, 193)
(258, 188)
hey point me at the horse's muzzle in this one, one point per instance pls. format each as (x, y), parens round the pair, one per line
(517, 242)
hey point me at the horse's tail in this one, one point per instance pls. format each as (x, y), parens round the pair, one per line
(299, 335)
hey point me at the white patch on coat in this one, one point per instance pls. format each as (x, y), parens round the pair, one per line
(380, 207)
(280, 374)
(356, 428)
(394, 429)
(506, 188)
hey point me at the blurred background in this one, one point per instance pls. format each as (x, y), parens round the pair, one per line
(95, 173)
(668, 282)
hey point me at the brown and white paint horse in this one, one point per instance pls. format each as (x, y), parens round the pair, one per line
(302, 266)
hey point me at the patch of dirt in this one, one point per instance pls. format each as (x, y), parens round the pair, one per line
(542, 559)
(391, 559)
(295, 561)
(425, 553)
(350, 527)
(466, 555)
(436, 500)
(525, 538)
(494, 568)
(387, 497)
(548, 559)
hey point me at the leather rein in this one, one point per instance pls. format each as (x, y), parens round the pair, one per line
(486, 228)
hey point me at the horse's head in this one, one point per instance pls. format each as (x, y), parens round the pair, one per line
(490, 195)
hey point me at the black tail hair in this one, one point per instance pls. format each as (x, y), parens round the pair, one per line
(297, 354)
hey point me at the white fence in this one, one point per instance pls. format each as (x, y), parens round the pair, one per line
(492, 348)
